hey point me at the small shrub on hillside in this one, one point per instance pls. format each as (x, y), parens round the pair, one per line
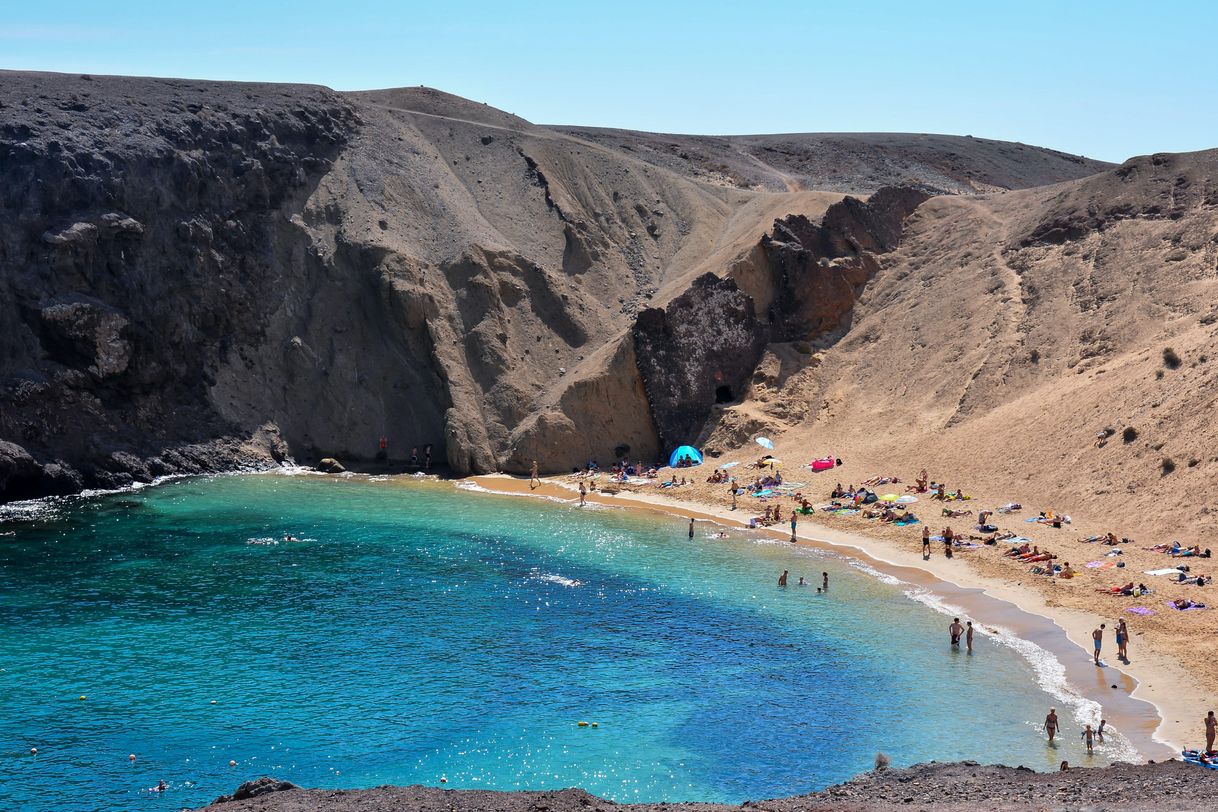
(1194, 462)
(1168, 465)
(1158, 374)
(1129, 434)
(1170, 359)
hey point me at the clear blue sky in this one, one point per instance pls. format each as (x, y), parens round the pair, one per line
(1105, 79)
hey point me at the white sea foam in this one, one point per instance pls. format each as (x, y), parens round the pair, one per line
(549, 577)
(1050, 673)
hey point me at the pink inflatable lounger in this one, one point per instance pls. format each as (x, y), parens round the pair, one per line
(822, 465)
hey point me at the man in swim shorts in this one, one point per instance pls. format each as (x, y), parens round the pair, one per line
(1051, 725)
(955, 630)
(782, 579)
(792, 527)
(925, 543)
(1097, 637)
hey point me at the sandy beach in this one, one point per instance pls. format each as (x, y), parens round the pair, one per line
(1153, 700)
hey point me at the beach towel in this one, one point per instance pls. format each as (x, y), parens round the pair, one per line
(1020, 540)
(1178, 609)
(1171, 571)
(1100, 565)
(1033, 519)
(766, 492)
(936, 538)
(907, 499)
(904, 522)
(1093, 564)
(1140, 610)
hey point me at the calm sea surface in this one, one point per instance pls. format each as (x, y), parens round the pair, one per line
(419, 632)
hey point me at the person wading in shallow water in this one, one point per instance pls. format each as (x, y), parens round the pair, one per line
(1051, 725)
(824, 577)
(968, 636)
(955, 630)
(691, 528)
(583, 494)
(782, 579)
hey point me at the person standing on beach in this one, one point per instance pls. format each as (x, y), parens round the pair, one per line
(955, 630)
(1097, 637)
(1211, 728)
(968, 636)
(925, 543)
(691, 527)
(534, 480)
(414, 457)
(1051, 725)
(1122, 638)
(782, 579)
(583, 494)
(732, 488)
(427, 456)
(792, 526)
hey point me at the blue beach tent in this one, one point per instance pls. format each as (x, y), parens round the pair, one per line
(685, 451)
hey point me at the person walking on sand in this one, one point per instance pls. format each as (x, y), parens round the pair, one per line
(792, 527)
(1097, 637)
(925, 543)
(583, 494)
(968, 636)
(955, 630)
(534, 480)
(782, 579)
(1088, 737)
(1051, 724)
(1211, 728)
(732, 488)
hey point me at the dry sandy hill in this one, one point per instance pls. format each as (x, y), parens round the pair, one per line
(1005, 331)
(201, 275)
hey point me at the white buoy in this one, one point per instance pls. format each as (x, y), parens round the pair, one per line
(232, 763)
(213, 702)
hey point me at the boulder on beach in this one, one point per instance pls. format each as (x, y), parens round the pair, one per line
(329, 465)
(259, 786)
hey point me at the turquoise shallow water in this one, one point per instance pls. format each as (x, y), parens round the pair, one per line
(421, 632)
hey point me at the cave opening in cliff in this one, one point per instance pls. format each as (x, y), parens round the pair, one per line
(723, 394)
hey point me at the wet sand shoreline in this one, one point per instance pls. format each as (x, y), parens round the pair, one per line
(1143, 706)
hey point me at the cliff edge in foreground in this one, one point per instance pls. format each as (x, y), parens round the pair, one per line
(962, 787)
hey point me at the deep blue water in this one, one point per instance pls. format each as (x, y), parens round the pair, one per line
(419, 633)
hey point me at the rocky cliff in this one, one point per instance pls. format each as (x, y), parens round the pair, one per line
(200, 276)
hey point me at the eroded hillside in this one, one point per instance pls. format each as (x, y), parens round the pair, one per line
(201, 275)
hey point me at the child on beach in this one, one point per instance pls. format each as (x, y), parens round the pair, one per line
(1088, 736)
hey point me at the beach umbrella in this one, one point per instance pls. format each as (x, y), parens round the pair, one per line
(765, 442)
(888, 497)
(729, 465)
(773, 460)
(907, 499)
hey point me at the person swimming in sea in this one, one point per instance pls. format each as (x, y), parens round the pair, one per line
(782, 579)
(801, 581)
